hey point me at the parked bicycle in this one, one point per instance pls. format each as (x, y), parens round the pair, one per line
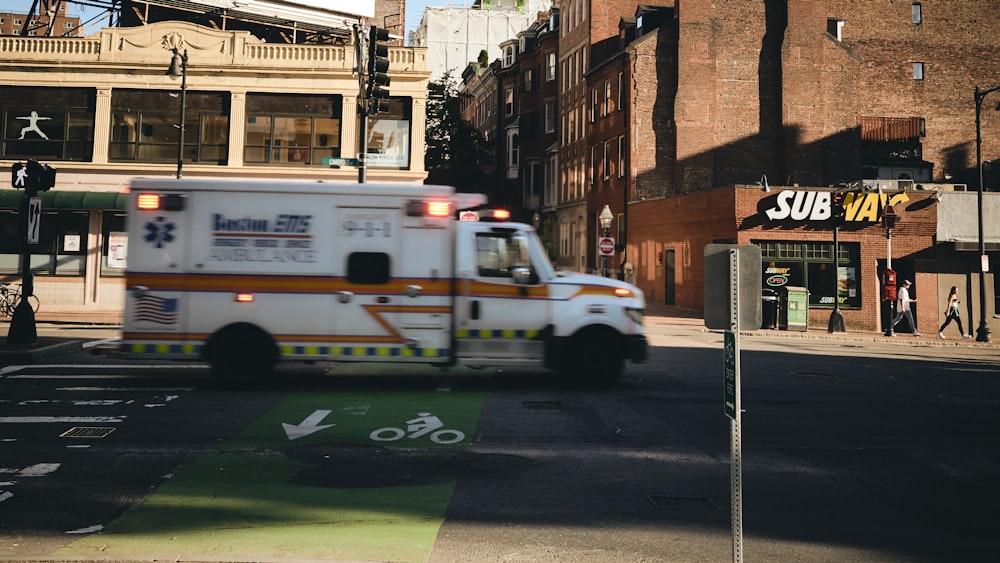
(10, 297)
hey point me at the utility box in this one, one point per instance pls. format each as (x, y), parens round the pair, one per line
(794, 309)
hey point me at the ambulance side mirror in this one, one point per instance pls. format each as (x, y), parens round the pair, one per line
(521, 275)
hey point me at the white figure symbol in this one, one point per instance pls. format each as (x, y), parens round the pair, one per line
(33, 125)
(425, 423)
(22, 176)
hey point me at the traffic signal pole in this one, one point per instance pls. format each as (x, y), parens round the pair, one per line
(32, 177)
(373, 63)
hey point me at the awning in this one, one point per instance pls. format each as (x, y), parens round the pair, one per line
(55, 199)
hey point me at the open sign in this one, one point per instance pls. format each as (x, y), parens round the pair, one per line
(776, 280)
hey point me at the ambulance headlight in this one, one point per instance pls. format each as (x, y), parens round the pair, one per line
(635, 315)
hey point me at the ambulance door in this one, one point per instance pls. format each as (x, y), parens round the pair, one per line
(425, 310)
(156, 285)
(503, 307)
(368, 291)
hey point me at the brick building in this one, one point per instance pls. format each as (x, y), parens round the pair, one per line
(41, 23)
(812, 93)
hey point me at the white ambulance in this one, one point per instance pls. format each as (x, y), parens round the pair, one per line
(244, 274)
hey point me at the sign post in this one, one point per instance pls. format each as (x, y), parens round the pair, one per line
(733, 301)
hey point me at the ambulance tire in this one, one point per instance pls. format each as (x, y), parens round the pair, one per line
(595, 356)
(241, 355)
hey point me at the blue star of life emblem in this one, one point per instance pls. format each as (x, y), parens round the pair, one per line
(159, 232)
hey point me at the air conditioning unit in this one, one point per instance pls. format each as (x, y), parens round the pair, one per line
(904, 184)
(960, 187)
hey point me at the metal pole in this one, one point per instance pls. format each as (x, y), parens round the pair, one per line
(180, 129)
(890, 330)
(983, 332)
(22, 330)
(607, 232)
(836, 323)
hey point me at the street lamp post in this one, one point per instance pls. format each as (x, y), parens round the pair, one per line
(889, 221)
(983, 332)
(178, 69)
(606, 217)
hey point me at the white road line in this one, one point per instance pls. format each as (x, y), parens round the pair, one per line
(93, 343)
(61, 419)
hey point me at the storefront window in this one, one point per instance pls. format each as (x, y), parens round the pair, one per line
(810, 265)
(47, 123)
(61, 248)
(389, 136)
(292, 129)
(144, 126)
(114, 254)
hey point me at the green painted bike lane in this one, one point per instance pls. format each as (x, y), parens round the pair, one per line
(277, 490)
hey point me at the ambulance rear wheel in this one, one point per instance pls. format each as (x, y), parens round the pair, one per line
(241, 353)
(595, 356)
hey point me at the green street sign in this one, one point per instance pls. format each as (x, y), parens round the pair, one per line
(729, 361)
(338, 162)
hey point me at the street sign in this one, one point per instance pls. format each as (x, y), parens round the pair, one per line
(338, 162)
(34, 219)
(606, 246)
(729, 362)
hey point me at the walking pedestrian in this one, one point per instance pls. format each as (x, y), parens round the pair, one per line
(951, 314)
(903, 307)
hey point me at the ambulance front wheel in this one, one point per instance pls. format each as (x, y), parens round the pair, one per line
(241, 353)
(594, 356)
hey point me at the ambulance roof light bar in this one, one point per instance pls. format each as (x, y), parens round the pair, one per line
(158, 202)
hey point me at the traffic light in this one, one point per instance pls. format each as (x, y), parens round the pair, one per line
(837, 210)
(377, 91)
(32, 177)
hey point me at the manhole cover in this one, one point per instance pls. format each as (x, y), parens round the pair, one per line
(87, 432)
(359, 466)
(551, 405)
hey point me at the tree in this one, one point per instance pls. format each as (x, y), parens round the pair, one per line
(457, 155)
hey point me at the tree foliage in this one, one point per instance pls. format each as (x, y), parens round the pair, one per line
(456, 154)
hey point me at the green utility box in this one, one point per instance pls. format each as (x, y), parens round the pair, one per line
(794, 309)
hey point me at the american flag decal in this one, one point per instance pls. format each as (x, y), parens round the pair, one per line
(156, 310)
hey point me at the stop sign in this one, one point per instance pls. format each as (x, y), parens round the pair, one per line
(606, 246)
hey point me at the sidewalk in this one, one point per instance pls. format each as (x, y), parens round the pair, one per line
(74, 331)
(666, 315)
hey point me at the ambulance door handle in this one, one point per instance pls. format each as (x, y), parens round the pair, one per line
(344, 296)
(413, 290)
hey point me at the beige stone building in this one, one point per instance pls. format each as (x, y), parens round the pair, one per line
(101, 110)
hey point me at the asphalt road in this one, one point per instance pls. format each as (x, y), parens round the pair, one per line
(853, 449)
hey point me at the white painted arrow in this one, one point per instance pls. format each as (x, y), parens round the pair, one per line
(308, 426)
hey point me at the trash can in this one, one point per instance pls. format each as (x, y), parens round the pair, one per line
(768, 308)
(794, 307)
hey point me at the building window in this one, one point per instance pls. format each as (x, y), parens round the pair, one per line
(513, 146)
(621, 90)
(810, 265)
(508, 56)
(508, 102)
(144, 126)
(606, 165)
(61, 248)
(48, 123)
(621, 156)
(918, 71)
(593, 104)
(528, 80)
(550, 116)
(916, 13)
(607, 98)
(593, 165)
(296, 130)
(388, 143)
(550, 66)
(835, 28)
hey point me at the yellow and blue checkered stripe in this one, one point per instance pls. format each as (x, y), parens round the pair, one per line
(292, 351)
(488, 333)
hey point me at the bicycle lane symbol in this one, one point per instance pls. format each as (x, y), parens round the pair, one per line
(425, 423)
